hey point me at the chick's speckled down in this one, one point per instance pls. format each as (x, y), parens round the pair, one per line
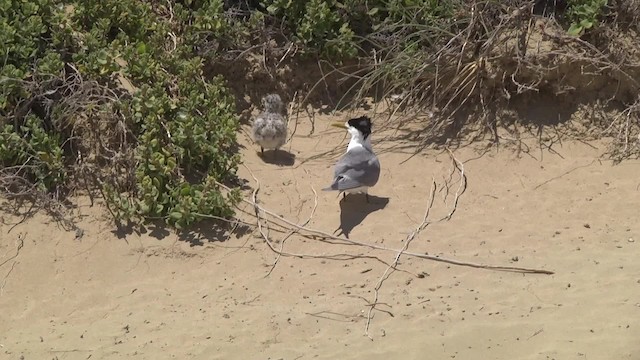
(270, 128)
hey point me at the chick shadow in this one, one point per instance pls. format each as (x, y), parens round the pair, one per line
(354, 208)
(278, 157)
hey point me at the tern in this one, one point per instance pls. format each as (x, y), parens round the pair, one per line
(358, 169)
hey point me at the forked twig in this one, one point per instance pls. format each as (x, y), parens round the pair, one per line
(292, 231)
(326, 237)
(258, 209)
(20, 242)
(388, 271)
(320, 235)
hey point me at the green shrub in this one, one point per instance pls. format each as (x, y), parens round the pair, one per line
(159, 148)
(33, 154)
(337, 29)
(317, 25)
(584, 14)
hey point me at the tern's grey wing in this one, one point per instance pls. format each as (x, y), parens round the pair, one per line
(358, 167)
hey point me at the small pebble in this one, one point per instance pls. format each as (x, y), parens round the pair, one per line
(631, 240)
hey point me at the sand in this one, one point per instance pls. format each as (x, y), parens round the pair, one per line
(159, 295)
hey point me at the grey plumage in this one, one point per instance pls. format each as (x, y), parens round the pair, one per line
(357, 168)
(270, 128)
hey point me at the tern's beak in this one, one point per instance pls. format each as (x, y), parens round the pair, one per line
(339, 125)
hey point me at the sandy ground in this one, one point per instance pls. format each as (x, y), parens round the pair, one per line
(155, 295)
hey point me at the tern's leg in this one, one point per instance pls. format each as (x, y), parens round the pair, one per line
(261, 150)
(344, 196)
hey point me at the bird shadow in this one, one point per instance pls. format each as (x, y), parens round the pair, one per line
(354, 208)
(278, 157)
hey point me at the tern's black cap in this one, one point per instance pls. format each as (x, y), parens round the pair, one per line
(363, 124)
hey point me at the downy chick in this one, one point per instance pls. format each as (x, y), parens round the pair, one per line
(270, 128)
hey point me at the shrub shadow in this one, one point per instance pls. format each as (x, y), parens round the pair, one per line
(198, 234)
(121, 230)
(208, 230)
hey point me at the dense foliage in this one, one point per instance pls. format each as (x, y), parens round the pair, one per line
(115, 88)
(112, 94)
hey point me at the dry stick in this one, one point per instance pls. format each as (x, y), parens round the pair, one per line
(343, 241)
(293, 231)
(280, 252)
(257, 210)
(295, 98)
(388, 270)
(563, 174)
(326, 237)
(319, 314)
(20, 242)
(234, 222)
(462, 186)
(457, 165)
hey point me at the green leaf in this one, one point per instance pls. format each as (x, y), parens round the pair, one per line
(175, 215)
(102, 60)
(141, 48)
(586, 24)
(575, 29)
(272, 9)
